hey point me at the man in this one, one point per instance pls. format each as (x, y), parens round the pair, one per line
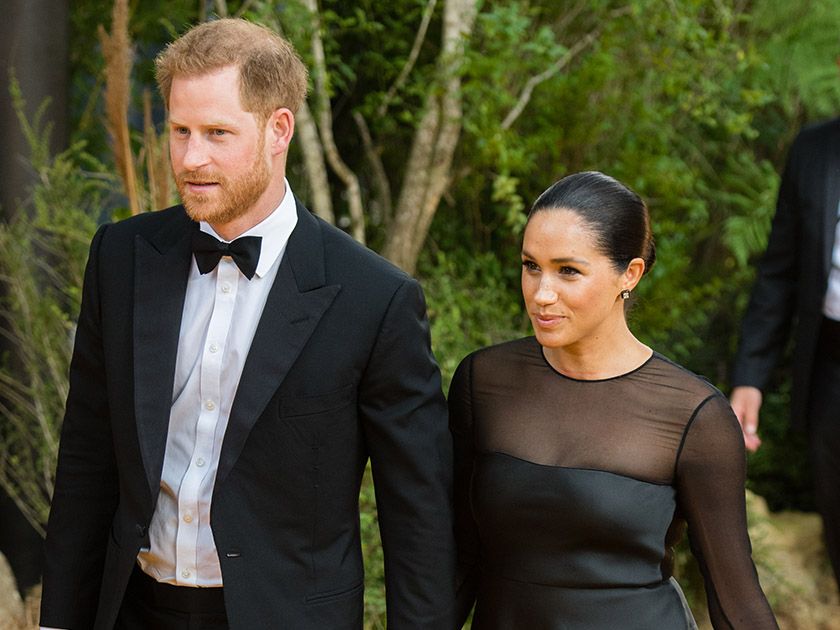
(223, 401)
(797, 291)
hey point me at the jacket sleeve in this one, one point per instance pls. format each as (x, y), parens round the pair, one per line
(767, 323)
(86, 489)
(405, 425)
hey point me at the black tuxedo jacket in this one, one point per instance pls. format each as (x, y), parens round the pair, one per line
(793, 274)
(340, 369)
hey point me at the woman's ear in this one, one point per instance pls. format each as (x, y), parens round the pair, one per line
(634, 272)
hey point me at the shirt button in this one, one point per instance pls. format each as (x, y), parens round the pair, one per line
(186, 573)
(188, 518)
(226, 287)
(210, 405)
(199, 462)
(214, 347)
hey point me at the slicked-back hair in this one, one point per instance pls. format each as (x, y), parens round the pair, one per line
(617, 216)
(271, 74)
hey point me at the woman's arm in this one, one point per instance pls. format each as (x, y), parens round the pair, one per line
(710, 475)
(466, 534)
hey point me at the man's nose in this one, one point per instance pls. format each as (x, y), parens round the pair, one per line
(196, 153)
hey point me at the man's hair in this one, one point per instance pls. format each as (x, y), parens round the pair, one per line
(271, 75)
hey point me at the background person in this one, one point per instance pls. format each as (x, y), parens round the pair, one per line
(797, 294)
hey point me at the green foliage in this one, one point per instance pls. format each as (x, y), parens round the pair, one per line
(799, 45)
(42, 254)
(373, 557)
(470, 305)
(780, 470)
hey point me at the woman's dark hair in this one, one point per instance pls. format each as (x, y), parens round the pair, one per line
(617, 216)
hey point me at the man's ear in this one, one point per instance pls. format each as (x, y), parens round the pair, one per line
(280, 128)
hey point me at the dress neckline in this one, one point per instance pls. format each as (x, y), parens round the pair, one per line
(541, 351)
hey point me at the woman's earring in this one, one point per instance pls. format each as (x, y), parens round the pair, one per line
(625, 294)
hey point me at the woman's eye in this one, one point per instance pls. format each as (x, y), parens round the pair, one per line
(530, 265)
(568, 271)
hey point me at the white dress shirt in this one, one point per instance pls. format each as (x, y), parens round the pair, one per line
(831, 305)
(221, 312)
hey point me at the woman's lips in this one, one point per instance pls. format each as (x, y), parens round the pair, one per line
(547, 320)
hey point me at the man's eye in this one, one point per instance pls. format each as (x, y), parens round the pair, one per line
(218, 132)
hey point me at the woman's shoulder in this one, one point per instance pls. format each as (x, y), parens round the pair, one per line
(504, 352)
(682, 387)
(688, 397)
(681, 376)
(499, 361)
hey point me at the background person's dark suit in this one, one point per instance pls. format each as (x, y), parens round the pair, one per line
(340, 369)
(787, 300)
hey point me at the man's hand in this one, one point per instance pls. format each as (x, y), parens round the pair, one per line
(746, 403)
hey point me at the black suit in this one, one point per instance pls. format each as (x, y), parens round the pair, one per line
(340, 369)
(788, 299)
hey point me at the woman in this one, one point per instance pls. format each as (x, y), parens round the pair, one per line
(580, 452)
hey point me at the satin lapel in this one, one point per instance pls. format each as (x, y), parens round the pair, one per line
(295, 305)
(160, 284)
(832, 200)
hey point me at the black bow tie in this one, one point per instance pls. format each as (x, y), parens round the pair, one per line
(209, 250)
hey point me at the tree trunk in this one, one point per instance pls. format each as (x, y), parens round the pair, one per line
(34, 45)
(427, 172)
(34, 41)
(313, 160)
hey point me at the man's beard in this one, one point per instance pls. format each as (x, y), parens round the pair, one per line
(233, 197)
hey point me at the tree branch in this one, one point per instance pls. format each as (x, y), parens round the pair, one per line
(323, 116)
(412, 58)
(245, 6)
(533, 82)
(380, 177)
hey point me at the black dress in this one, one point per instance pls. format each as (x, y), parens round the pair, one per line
(570, 495)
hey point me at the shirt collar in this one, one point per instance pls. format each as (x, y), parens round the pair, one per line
(275, 231)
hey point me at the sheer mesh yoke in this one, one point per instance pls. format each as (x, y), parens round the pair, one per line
(570, 494)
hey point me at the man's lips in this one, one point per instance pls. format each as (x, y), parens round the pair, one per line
(200, 186)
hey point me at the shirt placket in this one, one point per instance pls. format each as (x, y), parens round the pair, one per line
(192, 515)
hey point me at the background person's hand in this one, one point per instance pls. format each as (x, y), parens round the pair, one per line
(746, 403)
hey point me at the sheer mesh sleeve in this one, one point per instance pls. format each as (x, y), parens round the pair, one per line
(461, 425)
(710, 474)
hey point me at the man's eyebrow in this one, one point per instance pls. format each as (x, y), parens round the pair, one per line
(212, 124)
